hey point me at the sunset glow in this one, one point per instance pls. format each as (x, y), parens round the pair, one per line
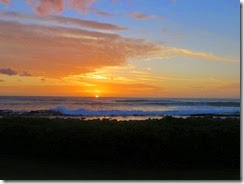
(104, 48)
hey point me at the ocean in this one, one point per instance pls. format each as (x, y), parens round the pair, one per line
(122, 107)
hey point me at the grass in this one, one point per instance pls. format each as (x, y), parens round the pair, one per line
(169, 148)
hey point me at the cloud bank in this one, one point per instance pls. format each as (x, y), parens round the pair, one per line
(67, 46)
(58, 51)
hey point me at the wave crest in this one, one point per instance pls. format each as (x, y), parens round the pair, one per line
(184, 112)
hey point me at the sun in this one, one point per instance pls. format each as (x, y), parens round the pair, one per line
(97, 96)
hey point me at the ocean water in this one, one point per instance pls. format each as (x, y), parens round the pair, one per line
(124, 107)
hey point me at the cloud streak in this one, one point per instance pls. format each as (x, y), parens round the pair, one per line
(169, 52)
(201, 55)
(101, 13)
(63, 21)
(142, 16)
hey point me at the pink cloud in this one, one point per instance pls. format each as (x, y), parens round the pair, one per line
(81, 5)
(46, 7)
(5, 1)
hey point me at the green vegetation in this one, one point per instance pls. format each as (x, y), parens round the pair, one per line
(168, 144)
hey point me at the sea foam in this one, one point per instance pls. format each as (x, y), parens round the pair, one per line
(182, 112)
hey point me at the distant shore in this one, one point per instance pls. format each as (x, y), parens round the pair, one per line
(167, 148)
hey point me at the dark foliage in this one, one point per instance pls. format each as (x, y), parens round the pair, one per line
(165, 143)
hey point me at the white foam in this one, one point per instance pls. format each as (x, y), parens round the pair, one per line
(184, 111)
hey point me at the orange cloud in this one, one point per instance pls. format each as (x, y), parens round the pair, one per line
(58, 51)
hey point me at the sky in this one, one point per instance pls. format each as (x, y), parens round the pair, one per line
(120, 48)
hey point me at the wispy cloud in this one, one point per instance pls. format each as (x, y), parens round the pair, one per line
(142, 16)
(201, 55)
(169, 52)
(101, 13)
(64, 21)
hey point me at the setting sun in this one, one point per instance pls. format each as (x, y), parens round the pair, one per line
(97, 96)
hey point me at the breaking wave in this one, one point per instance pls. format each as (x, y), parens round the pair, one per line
(182, 112)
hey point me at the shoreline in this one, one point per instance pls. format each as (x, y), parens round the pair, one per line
(51, 114)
